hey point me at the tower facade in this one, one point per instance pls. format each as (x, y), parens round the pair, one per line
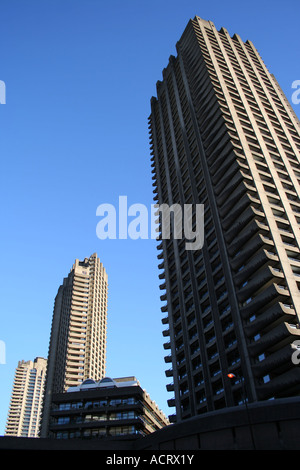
(27, 399)
(77, 349)
(223, 134)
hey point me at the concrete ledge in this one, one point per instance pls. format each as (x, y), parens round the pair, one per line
(263, 426)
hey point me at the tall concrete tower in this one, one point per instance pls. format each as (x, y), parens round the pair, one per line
(224, 135)
(26, 402)
(77, 348)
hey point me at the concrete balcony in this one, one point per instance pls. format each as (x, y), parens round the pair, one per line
(254, 265)
(275, 339)
(256, 243)
(170, 387)
(169, 373)
(261, 279)
(278, 362)
(246, 234)
(239, 225)
(281, 386)
(168, 359)
(270, 318)
(271, 294)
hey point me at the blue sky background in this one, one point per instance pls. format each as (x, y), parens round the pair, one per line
(79, 76)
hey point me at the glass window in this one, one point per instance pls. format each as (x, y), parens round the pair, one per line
(63, 420)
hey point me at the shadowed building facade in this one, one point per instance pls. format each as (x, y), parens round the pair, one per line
(77, 348)
(223, 134)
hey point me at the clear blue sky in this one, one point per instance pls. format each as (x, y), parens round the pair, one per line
(79, 76)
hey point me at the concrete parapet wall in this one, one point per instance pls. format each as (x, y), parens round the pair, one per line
(270, 425)
(265, 426)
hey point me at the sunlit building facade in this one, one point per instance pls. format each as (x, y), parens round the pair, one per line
(224, 135)
(77, 348)
(26, 402)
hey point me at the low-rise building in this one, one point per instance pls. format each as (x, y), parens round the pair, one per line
(109, 407)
